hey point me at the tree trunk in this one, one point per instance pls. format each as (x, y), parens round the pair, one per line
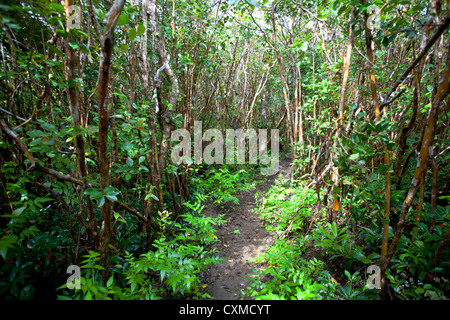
(422, 161)
(107, 43)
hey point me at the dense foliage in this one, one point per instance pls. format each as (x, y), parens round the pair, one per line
(358, 89)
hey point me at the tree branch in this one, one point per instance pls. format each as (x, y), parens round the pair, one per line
(429, 44)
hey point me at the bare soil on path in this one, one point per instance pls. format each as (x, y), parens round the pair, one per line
(240, 239)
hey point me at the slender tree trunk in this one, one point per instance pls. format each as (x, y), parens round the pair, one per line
(373, 91)
(284, 85)
(107, 43)
(78, 120)
(340, 124)
(422, 161)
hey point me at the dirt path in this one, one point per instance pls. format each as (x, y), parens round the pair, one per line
(226, 280)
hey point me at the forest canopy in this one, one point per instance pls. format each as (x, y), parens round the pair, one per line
(353, 93)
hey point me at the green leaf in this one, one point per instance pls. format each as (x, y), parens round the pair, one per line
(132, 34)
(348, 274)
(347, 182)
(58, 7)
(58, 52)
(48, 127)
(72, 83)
(342, 9)
(84, 49)
(94, 193)
(29, 232)
(18, 211)
(419, 290)
(151, 195)
(123, 19)
(111, 193)
(336, 190)
(5, 243)
(74, 45)
(35, 133)
(63, 33)
(101, 201)
(140, 30)
(110, 281)
(111, 197)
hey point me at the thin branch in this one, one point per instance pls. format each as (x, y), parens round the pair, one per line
(403, 77)
(65, 205)
(17, 117)
(442, 152)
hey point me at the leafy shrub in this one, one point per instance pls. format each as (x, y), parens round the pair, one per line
(221, 184)
(169, 271)
(289, 275)
(286, 207)
(346, 250)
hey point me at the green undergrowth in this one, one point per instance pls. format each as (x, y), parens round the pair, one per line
(171, 270)
(339, 261)
(220, 184)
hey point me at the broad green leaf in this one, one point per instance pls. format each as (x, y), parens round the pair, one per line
(111, 193)
(5, 243)
(98, 267)
(63, 33)
(151, 195)
(94, 193)
(101, 201)
(48, 127)
(84, 49)
(74, 45)
(111, 197)
(18, 211)
(342, 9)
(140, 30)
(123, 19)
(58, 7)
(110, 281)
(35, 133)
(58, 52)
(132, 34)
(348, 274)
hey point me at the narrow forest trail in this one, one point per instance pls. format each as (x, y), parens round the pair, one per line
(226, 280)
